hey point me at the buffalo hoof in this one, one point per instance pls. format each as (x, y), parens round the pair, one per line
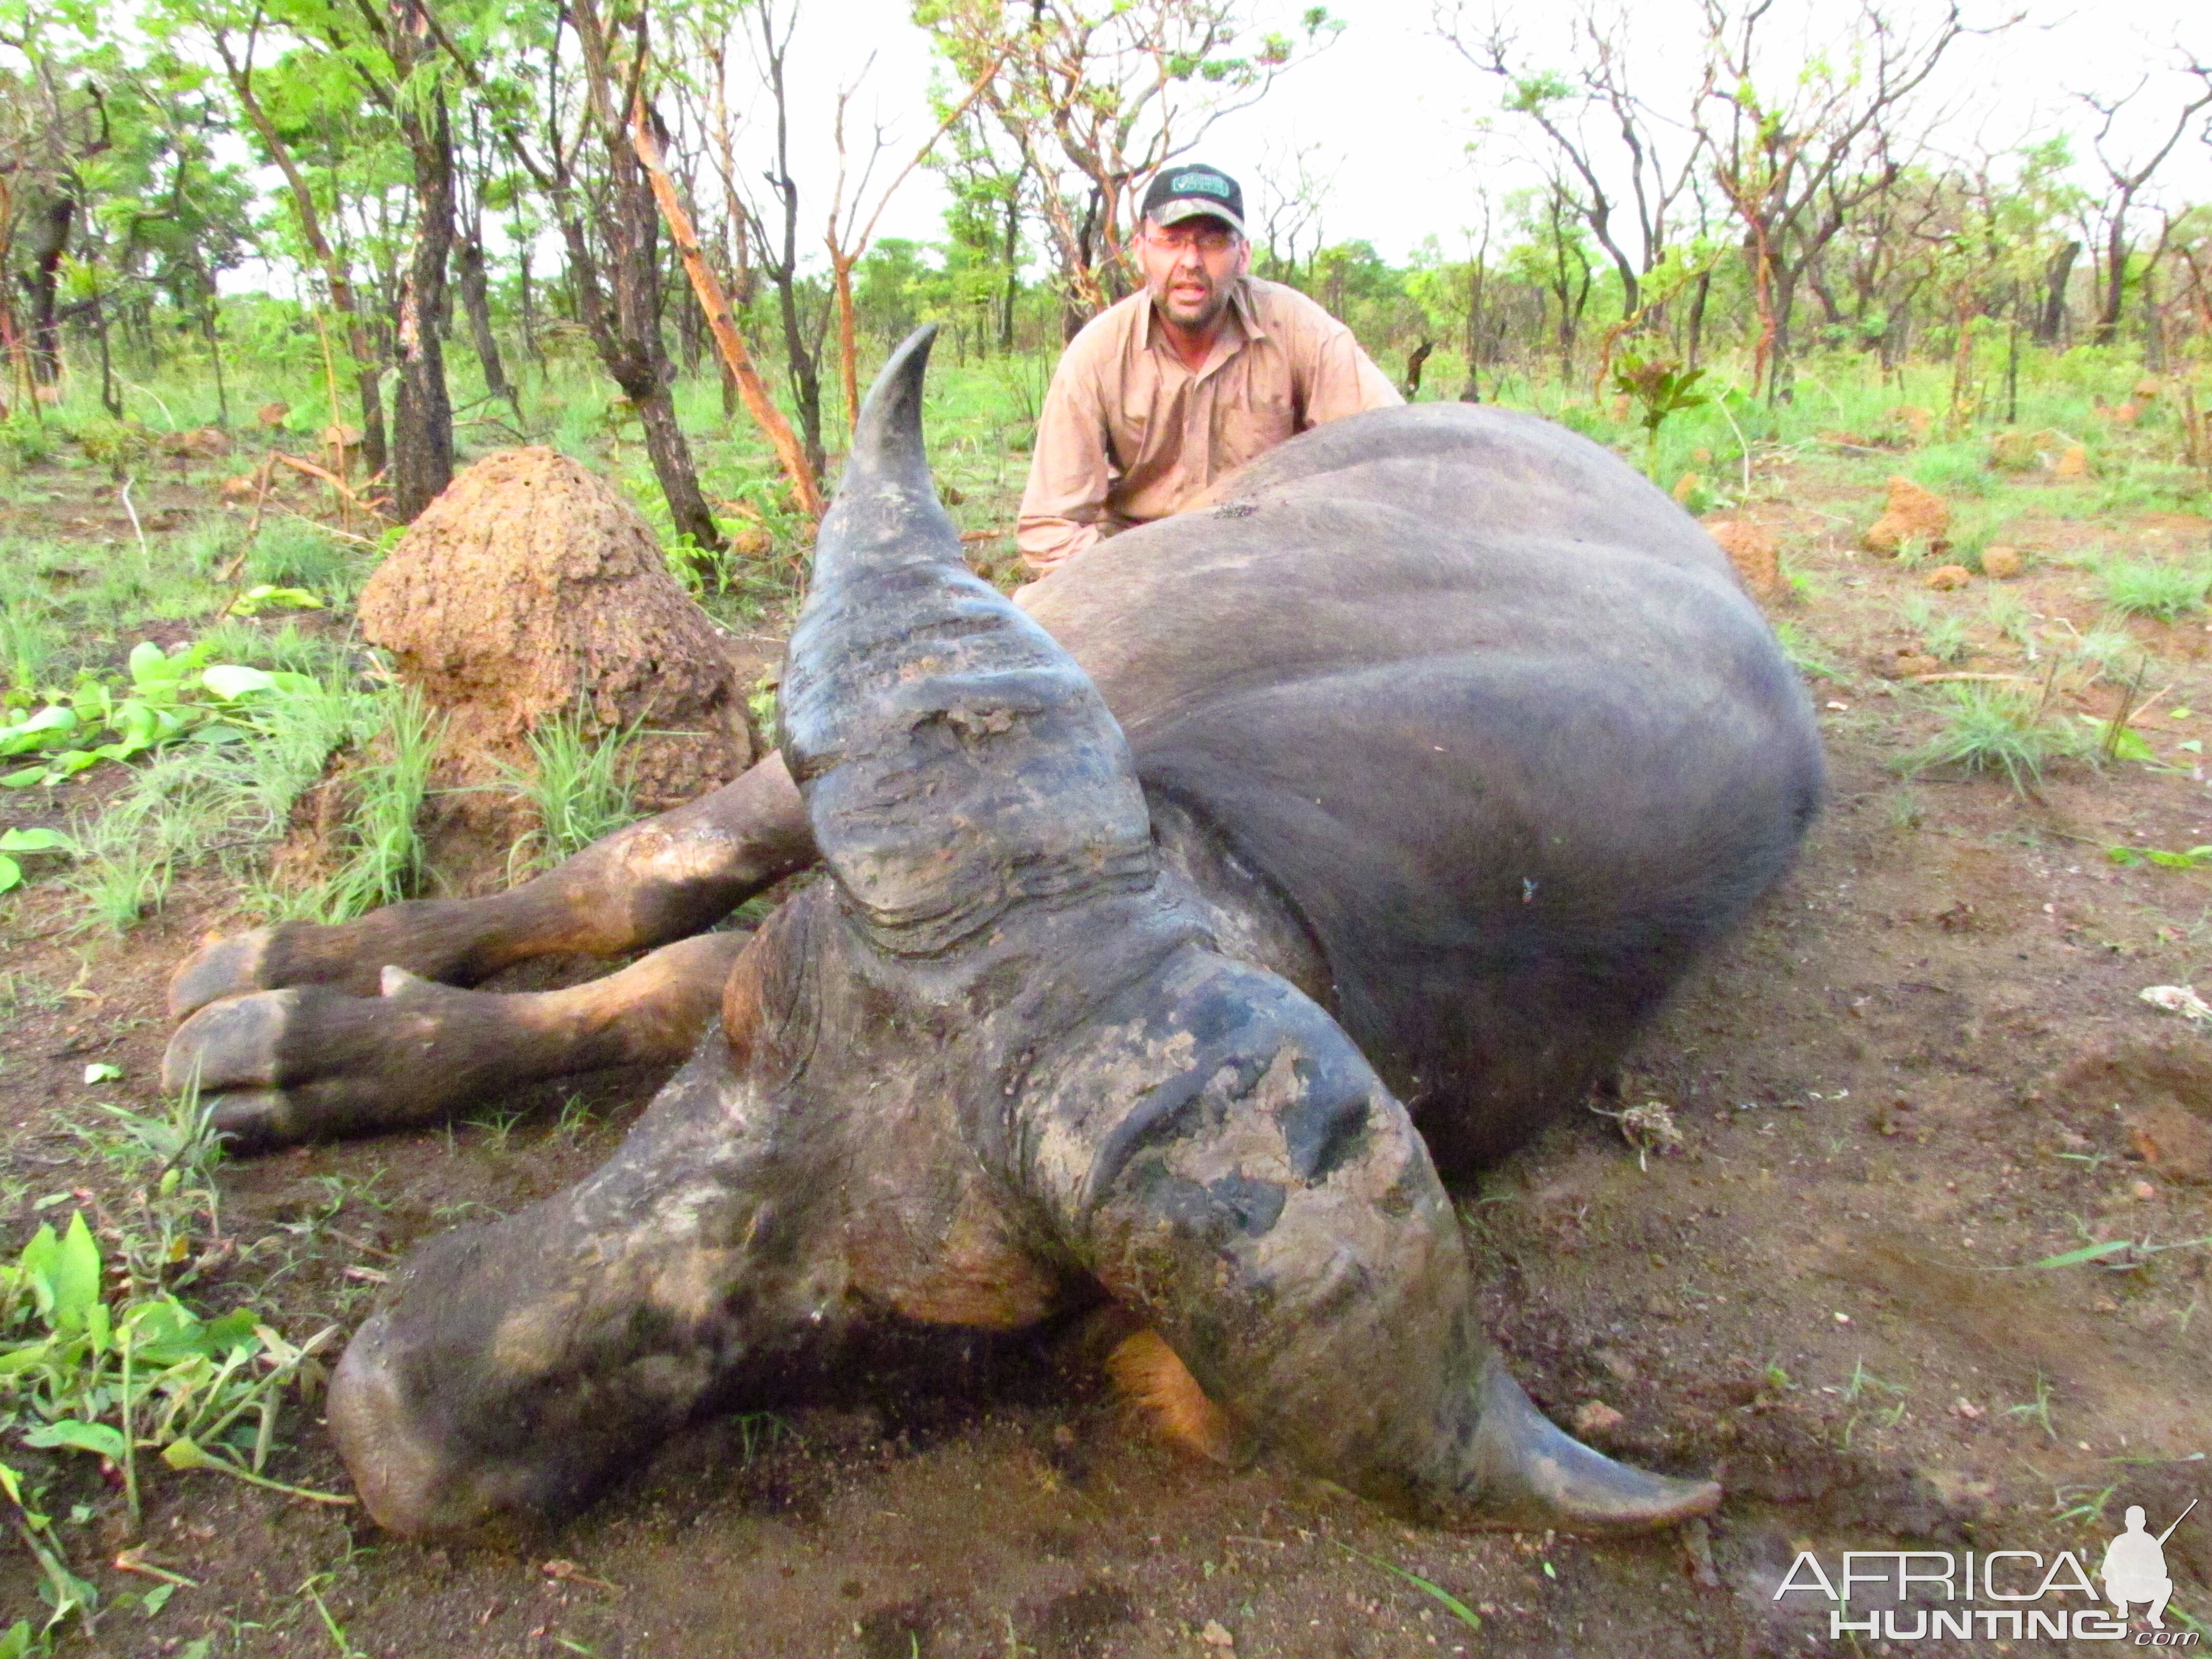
(229, 968)
(1527, 1473)
(305, 1063)
(346, 956)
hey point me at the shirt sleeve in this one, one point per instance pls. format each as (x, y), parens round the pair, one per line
(1345, 380)
(1064, 505)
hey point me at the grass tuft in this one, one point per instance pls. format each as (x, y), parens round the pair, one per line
(1951, 469)
(1805, 654)
(575, 786)
(385, 863)
(1943, 635)
(2001, 729)
(2137, 588)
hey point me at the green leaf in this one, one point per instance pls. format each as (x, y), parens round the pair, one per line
(254, 600)
(151, 665)
(2127, 744)
(233, 1330)
(167, 1333)
(11, 873)
(138, 720)
(24, 778)
(79, 1437)
(2188, 860)
(76, 1276)
(2194, 858)
(41, 729)
(93, 703)
(29, 1356)
(1451, 1604)
(183, 1453)
(230, 680)
(101, 1070)
(156, 1598)
(34, 841)
(2087, 1253)
(38, 1262)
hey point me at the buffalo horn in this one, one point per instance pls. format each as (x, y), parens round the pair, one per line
(954, 760)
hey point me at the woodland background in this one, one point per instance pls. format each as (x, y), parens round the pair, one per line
(381, 213)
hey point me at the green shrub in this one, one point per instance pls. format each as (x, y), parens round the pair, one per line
(2107, 648)
(24, 440)
(28, 642)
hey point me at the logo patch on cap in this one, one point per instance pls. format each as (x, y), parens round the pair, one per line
(1209, 184)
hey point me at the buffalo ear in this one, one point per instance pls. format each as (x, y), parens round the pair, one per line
(954, 760)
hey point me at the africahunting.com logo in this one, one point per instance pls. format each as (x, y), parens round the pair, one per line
(1921, 1595)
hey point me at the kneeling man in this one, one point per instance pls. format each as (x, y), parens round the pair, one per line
(1204, 368)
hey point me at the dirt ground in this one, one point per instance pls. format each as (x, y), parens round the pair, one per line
(1922, 1067)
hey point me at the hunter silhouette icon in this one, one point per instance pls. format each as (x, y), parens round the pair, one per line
(2135, 1567)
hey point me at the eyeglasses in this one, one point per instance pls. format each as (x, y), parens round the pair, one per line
(1205, 241)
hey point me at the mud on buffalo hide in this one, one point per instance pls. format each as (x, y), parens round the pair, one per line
(1495, 715)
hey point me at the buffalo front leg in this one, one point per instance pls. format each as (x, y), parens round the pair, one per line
(518, 1363)
(661, 879)
(311, 1063)
(1231, 1169)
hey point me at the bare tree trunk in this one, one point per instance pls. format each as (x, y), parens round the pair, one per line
(625, 325)
(1782, 369)
(476, 301)
(737, 361)
(637, 357)
(45, 286)
(423, 421)
(1697, 342)
(2012, 362)
(111, 399)
(2051, 323)
(207, 328)
(2116, 277)
(2153, 319)
(799, 365)
(1471, 391)
(1010, 251)
(526, 292)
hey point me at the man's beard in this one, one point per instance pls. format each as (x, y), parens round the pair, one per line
(1215, 302)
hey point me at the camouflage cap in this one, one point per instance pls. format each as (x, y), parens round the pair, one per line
(1192, 189)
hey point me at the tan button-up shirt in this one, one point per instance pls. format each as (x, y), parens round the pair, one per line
(1129, 434)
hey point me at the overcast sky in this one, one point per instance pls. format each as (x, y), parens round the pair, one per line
(1387, 113)
(1389, 109)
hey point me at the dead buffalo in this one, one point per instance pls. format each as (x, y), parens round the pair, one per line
(1394, 787)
